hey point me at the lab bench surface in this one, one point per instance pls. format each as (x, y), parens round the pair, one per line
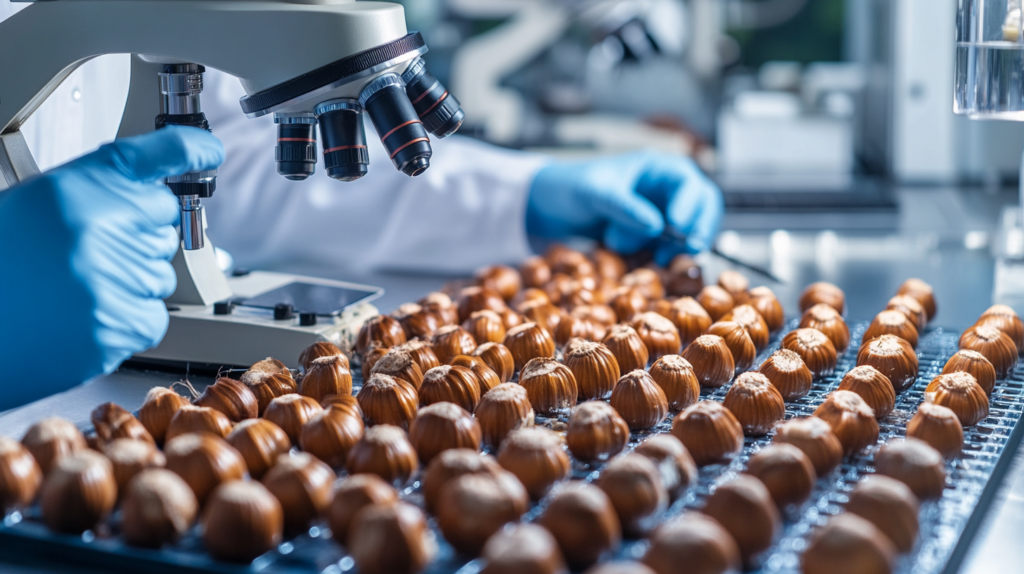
(942, 237)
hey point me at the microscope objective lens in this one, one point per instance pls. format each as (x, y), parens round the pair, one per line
(397, 123)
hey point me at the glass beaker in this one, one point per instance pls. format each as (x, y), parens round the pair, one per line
(990, 60)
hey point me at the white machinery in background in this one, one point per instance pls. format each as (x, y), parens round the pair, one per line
(317, 64)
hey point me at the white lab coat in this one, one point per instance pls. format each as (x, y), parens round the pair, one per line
(467, 210)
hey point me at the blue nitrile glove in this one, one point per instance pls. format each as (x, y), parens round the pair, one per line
(85, 254)
(626, 201)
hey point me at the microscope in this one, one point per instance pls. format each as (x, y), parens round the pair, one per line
(312, 64)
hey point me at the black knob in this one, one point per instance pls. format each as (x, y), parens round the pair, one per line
(307, 319)
(283, 311)
(222, 308)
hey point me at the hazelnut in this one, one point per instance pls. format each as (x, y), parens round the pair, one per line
(485, 327)
(385, 451)
(417, 322)
(939, 427)
(20, 476)
(639, 400)
(823, 292)
(204, 461)
(485, 376)
(230, 397)
(814, 348)
(242, 521)
(399, 364)
(304, 487)
(647, 281)
(676, 378)
(387, 400)
(544, 314)
(510, 318)
(327, 376)
(709, 431)
(451, 464)
(260, 442)
(529, 341)
(962, 394)
(528, 295)
(128, 457)
(922, 292)
(275, 367)
(112, 422)
(535, 272)
(370, 358)
(346, 403)
(711, 360)
(996, 345)
(676, 466)
(690, 319)
(330, 434)
(594, 368)
(631, 353)
(827, 320)
(763, 300)
(873, 387)
(596, 432)
(852, 420)
(522, 549)
(744, 507)
(550, 386)
(441, 305)
(755, 403)
(788, 373)
(736, 285)
(51, 439)
(422, 353)
(473, 507)
(891, 323)
(974, 364)
(536, 457)
(598, 314)
(502, 279)
(849, 544)
(315, 351)
(685, 276)
(1004, 318)
(473, 299)
(442, 426)
(915, 464)
(893, 357)
(716, 301)
(786, 472)
(352, 495)
(659, 335)
(573, 327)
(158, 509)
(738, 341)
(192, 419)
(582, 519)
(608, 264)
(391, 539)
(266, 386)
(815, 438)
(290, 412)
(379, 331)
(78, 492)
(751, 321)
(452, 384)
(696, 540)
(157, 410)
(502, 410)
(911, 308)
(498, 358)
(627, 303)
(633, 485)
(890, 506)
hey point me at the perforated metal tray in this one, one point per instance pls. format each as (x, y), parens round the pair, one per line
(947, 525)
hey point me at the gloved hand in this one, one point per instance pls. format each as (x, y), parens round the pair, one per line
(85, 251)
(627, 201)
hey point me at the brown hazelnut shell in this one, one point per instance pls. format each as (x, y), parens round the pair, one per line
(852, 420)
(498, 358)
(260, 442)
(939, 427)
(544, 314)
(158, 508)
(786, 472)
(599, 314)
(608, 264)
(890, 506)
(639, 400)
(20, 476)
(676, 378)
(848, 544)
(267, 386)
(685, 276)
(711, 360)
(873, 387)
(893, 357)
(910, 307)
(815, 438)
(659, 335)
(399, 364)
(451, 464)
(128, 457)
(502, 279)
(112, 422)
(1004, 318)
(422, 353)
(326, 376)
(440, 304)
(473, 299)
(550, 385)
(391, 539)
(922, 292)
(535, 272)
(573, 327)
(204, 461)
(304, 486)
(748, 318)
(736, 284)
(738, 341)
(677, 468)
(996, 345)
(330, 434)
(914, 463)
(536, 457)
(315, 351)
(825, 293)
(582, 519)
(596, 432)
(347, 403)
(502, 410)
(891, 323)
(485, 327)
(974, 364)
(627, 303)
(595, 369)
(814, 348)
(290, 412)
(787, 372)
(631, 353)
(192, 419)
(379, 331)
(157, 410)
(744, 507)
(370, 358)
(634, 487)
(242, 521)
(827, 320)
(529, 341)
(78, 492)
(755, 402)
(442, 426)
(230, 397)
(764, 301)
(709, 431)
(485, 376)
(385, 451)
(522, 549)
(696, 540)
(387, 400)
(473, 507)
(716, 301)
(353, 494)
(647, 280)
(689, 318)
(451, 384)
(960, 393)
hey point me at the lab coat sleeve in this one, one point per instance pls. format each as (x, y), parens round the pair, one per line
(466, 211)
